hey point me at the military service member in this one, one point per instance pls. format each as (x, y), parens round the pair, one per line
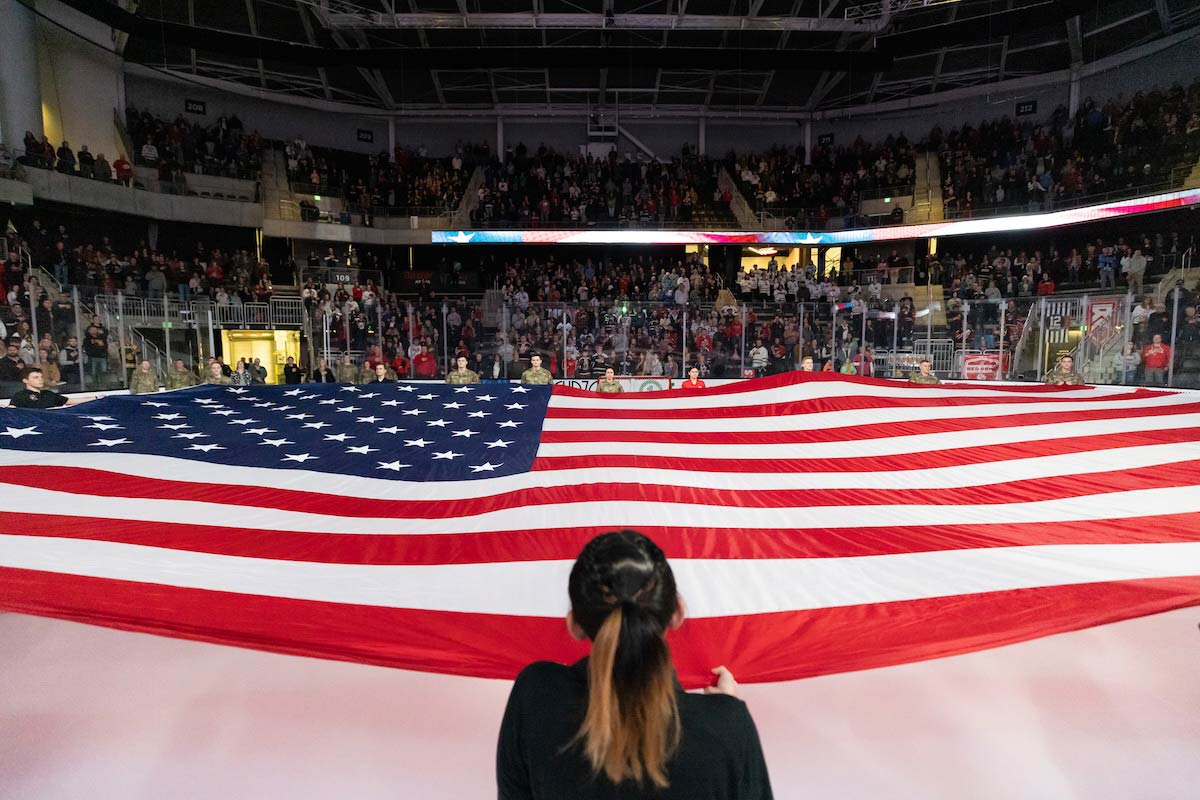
(181, 377)
(924, 373)
(535, 375)
(1064, 373)
(460, 374)
(609, 383)
(346, 373)
(216, 375)
(143, 380)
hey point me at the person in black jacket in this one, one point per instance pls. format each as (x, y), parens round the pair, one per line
(292, 372)
(617, 724)
(322, 373)
(35, 394)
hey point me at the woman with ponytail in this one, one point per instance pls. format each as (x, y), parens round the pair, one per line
(617, 724)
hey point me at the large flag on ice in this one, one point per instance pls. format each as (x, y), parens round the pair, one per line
(816, 523)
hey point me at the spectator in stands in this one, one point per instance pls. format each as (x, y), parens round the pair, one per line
(48, 364)
(1126, 363)
(66, 159)
(123, 170)
(346, 373)
(1156, 357)
(35, 394)
(12, 364)
(71, 360)
(87, 163)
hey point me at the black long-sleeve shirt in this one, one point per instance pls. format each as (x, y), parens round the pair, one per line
(719, 756)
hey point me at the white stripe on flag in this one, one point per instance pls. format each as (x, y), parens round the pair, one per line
(713, 587)
(616, 514)
(824, 420)
(885, 446)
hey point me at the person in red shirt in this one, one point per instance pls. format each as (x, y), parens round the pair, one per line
(1046, 286)
(570, 366)
(1156, 357)
(123, 170)
(693, 382)
(400, 364)
(424, 364)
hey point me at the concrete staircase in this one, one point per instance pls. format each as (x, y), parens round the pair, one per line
(1192, 181)
(276, 192)
(927, 190)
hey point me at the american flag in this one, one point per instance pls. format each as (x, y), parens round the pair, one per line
(816, 523)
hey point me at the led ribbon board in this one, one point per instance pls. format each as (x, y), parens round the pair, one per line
(960, 227)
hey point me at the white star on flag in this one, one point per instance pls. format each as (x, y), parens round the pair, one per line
(205, 447)
(395, 466)
(17, 433)
(302, 457)
(390, 429)
(347, 409)
(370, 420)
(416, 442)
(110, 442)
(276, 442)
(486, 466)
(449, 455)
(101, 426)
(316, 425)
(190, 436)
(392, 403)
(337, 437)
(468, 433)
(362, 449)
(438, 423)
(497, 443)
(508, 423)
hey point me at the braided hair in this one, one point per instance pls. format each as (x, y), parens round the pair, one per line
(623, 596)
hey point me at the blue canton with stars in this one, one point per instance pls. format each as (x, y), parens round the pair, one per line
(402, 431)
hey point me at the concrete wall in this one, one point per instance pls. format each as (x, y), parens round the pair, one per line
(81, 80)
(123, 200)
(165, 98)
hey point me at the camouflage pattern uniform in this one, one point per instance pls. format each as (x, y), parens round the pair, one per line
(143, 382)
(177, 379)
(220, 380)
(916, 377)
(464, 377)
(609, 387)
(1056, 377)
(537, 376)
(366, 374)
(346, 373)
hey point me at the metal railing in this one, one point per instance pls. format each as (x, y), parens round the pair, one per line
(283, 312)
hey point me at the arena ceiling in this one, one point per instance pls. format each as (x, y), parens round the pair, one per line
(766, 55)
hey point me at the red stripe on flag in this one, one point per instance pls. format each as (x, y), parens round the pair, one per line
(89, 482)
(882, 430)
(758, 647)
(564, 544)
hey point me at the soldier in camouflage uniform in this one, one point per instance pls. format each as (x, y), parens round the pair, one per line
(366, 373)
(181, 377)
(346, 373)
(535, 375)
(143, 380)
(609, 383)
(460, 374)
(923, 374)
(1064, 373)
(216, 375)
